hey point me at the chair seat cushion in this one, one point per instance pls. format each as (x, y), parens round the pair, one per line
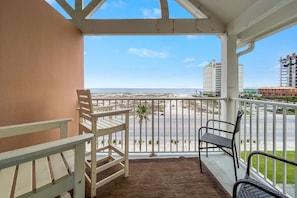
(217, 140)
(252, 188)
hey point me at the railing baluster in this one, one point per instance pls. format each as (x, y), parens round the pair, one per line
(153, 128)
(284, 148)
(158, 107)
(295, 149)
(207, 110)
(164, 126)
(245, 132)
(257, 135)
(274, 145)
(176, 124)
(251, 126)
(183, 126)
(134, 126)
(265, 140)
(170, 126)
(189, 124)
(195, 125)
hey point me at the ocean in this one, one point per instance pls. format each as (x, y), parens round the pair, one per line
(178, 91)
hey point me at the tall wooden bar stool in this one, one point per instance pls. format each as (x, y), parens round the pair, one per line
(103, 123)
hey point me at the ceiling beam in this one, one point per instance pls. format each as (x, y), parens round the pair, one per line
(66, 7)
(164, 9)
(79, 5)
(92, 7)
(275, 22)
(80, 12)
(147, 26)
(202, 11)
(195, 8)
(209, 25)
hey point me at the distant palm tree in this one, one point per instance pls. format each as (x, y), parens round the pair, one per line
(142, 113)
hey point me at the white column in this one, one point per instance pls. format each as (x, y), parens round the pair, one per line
(229, 76)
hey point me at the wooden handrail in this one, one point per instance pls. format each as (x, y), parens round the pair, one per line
(26, 128)
(18, 156)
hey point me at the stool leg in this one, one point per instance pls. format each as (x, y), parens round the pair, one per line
(93, 166)
(109, 143)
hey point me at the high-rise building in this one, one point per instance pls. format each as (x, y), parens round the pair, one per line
(288, 71)
(212, 78)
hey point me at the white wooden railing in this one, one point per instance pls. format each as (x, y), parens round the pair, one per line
(172, 123)
(270, 127)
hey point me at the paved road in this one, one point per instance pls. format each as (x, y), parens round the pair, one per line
(178, 129)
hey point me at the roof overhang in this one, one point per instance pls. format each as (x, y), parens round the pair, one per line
(249, 20)
(262, 19)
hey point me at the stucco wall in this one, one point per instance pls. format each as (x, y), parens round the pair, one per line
(41, 66)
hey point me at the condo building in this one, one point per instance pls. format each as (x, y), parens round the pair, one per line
(288, 79)
(288, 71)
(212, 78)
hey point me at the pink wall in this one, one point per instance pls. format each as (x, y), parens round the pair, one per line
(41, 66)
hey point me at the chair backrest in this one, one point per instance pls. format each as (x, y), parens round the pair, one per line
(85, 103)
(238, 121)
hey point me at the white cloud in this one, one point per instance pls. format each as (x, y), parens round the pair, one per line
(192, 37)
(113, 4)
(151, 13)
(147, 53)
(118, 4)
(186, 60)
(203, 64)
(191, 64)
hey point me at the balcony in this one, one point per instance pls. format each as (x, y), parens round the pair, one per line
(173, 122)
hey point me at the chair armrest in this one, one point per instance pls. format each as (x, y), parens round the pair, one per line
(255, 184)
(219, 121)
(200, 131)
(26, 128)
(18, 156)
(248, 184)
(266, 155)
(110, 113)
(102, 108)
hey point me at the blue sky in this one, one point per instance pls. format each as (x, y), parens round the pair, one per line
(170, 61)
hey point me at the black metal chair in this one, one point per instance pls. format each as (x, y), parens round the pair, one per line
(249, 187)
(213, 134)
